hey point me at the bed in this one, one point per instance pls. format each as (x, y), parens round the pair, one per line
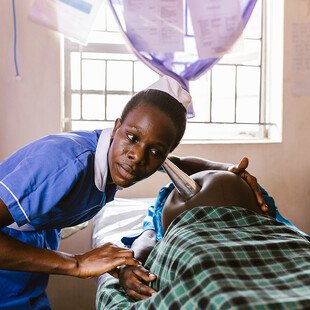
(118, 218)
(212, 258)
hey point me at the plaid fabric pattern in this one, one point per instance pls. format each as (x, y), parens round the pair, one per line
(223, 258)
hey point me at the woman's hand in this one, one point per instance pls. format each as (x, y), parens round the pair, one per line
(239, 169)
(132, 278)
(103, 259)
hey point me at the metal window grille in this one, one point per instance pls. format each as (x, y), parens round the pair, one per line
(228, 100)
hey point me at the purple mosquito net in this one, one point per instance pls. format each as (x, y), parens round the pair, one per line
(182, 66)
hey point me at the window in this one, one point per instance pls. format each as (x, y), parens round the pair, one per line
(239, 98)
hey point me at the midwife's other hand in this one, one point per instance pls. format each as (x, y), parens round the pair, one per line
(239, 169)
(133, 279)
(103, 259)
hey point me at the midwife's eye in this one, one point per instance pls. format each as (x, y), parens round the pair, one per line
(132, 137)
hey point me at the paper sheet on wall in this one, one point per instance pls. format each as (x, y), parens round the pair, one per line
(73, 18)
(217, 24)
(155, 26)
(301, 58)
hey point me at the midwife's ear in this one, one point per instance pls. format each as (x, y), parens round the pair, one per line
(117, 124)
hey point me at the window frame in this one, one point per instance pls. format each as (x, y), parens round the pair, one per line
(269, 127)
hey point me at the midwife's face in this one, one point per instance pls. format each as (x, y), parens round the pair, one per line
(140, 144)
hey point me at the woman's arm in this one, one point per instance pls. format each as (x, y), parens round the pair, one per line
(144, 244)
(192, 164)
(18, 256)
(133, 278)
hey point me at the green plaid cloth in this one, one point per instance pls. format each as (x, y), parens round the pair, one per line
(223, 258)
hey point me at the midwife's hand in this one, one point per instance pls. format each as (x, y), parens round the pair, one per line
(103, 259)
(131, 277)
(239, 169)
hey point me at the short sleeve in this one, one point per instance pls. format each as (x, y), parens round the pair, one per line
(36, 184)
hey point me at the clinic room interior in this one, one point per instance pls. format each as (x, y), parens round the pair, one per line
(37, 98)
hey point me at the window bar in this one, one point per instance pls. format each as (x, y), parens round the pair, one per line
(186, 19)
(105, 16)
(67, 112)
(106, 90)
(211, 92)
(236, 93)
(133, 78)
(106, 64)
(81, 82)
(232, 123)
(262, 70)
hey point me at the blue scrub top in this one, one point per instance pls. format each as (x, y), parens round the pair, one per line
(49, 184)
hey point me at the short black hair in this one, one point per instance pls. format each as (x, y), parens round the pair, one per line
(165, 103)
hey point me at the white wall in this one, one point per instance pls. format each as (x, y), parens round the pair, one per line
(30, 108)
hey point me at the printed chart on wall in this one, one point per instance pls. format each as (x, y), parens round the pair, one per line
(216, 24)
(301, 58)
(155, 26)
(158, 26)
(73, 18)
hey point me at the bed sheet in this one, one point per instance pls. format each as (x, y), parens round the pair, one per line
(120, 217)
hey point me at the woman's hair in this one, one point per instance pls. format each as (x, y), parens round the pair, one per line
(165, 103)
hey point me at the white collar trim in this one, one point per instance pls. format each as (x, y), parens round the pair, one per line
(101, 159)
